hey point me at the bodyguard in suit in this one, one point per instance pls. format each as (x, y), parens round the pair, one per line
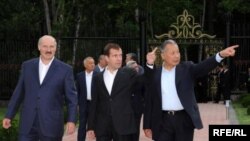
(84, 89)
(171, 111)
(138, 90)
(102, 63)
(43, 85)
(226, 88)
(111, 116)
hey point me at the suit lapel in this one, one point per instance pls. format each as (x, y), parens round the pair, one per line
(158, 80)
(50, 72)
(116, 82)
(36, 71)
(102, 82)
(84, 84)
(177, 76)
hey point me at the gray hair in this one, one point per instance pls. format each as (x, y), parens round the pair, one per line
(130, 63)
(46, 36)
(86, 59)
(167, 42)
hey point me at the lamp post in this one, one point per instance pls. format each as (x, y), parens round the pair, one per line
(140, 17)
(228, 20)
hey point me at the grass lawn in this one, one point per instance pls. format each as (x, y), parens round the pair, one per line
(2, 112)
(241, 113)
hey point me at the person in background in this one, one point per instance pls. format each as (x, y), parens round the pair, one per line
(248, 81)
(171, 111)
(220, 81)
(84, 89)
(201, 89)
(44, 84)
(133, 57)
(138, 90)
(226, 88)
(102, 63)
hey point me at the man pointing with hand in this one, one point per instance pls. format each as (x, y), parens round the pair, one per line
(171, 110)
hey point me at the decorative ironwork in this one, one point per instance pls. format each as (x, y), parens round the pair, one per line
(185, 27)
(188, 33)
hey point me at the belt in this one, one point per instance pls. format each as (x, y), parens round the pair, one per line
(172, 112)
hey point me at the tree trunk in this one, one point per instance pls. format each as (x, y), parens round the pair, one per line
(76, 36)
(47, 16)
(150, 18)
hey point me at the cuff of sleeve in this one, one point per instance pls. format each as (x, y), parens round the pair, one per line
(218, 58)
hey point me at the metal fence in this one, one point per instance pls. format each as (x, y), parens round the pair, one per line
(14, 52)
(240, 34)
(93, 46)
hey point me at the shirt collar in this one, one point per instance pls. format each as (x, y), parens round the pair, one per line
(114, 72)
(165, 70)
(89, 74)
(41, 62)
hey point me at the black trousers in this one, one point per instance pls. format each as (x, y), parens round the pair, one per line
(35, 134)
(176, 126)
(112, 135)
(136, 136)
(83, 116)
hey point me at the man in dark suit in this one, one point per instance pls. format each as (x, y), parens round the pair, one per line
(138, 90)
(219, 91)
(171, 111)
(111, 116)
(102, 63)
(226, 88)
(84, 89)
(43, 85)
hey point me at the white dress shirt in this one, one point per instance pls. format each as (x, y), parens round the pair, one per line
(88, 77)
(101, 68)
(109, 79)
(43, 69)
(170, 99)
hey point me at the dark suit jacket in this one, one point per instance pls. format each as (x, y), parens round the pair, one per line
(45, 100)
(116, 107)
(82, 90)
(97, 69)
(225, 84)
(138, 90)
(184, 79)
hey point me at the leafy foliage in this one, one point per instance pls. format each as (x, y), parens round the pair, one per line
(10, 134)
(235, 5)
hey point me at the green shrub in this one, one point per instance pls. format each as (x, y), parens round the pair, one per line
(10, 134)
(245, 101)
(243, 96)
(248, 110)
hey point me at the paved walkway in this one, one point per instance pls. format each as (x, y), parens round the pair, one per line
(211, 113)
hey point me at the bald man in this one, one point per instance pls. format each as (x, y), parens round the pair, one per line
(44, 84)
